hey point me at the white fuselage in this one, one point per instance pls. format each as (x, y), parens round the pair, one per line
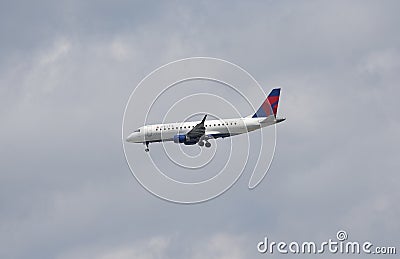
(214, 129)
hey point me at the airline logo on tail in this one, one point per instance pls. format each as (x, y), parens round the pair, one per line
(270, 105)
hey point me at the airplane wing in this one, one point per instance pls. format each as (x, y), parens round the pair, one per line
(198, 131)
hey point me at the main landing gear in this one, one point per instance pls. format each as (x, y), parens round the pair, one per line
(147, 147)
(207, 144)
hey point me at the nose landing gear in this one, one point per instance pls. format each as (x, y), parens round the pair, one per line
(147, 147)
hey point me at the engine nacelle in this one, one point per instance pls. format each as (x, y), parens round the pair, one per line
(180, 138)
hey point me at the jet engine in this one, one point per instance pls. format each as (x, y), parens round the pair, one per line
(182, 138)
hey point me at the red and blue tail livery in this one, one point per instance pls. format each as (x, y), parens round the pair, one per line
(270, 105)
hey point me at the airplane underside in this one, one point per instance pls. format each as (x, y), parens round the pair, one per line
(202, 142)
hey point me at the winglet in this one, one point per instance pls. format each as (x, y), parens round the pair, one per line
(204, 119)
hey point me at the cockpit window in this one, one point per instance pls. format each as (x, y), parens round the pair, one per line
(138, 130)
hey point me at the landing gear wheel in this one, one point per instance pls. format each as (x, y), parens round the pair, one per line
(147, 147)
(201, 143)
(208, 144)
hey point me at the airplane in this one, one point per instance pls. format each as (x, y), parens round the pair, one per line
(199, 132)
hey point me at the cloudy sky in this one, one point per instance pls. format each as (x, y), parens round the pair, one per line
(67, 69)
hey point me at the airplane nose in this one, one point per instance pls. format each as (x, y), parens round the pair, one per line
(134, 137)
(130, 138)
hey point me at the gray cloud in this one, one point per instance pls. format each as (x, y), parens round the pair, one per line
(67, 69)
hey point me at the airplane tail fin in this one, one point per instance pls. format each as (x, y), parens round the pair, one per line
(270, 105)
